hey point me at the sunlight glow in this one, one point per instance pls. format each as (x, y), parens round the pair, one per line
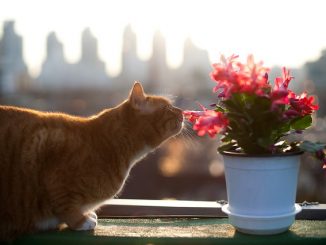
(279, 32)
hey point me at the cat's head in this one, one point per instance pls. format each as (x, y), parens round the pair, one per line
(154, 116)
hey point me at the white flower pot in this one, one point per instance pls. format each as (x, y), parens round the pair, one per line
(261, 192)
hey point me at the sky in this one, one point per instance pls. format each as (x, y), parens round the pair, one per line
(279, 32)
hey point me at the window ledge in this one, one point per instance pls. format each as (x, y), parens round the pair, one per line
(163, 224)
(176, 208)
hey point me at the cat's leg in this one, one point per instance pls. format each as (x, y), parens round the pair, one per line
(92, 214)
(67, 207)
(76, 220)
(89, 223)
(47, 224)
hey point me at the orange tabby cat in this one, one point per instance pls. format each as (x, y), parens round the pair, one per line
(56, 168)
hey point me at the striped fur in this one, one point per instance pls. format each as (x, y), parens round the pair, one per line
(53, 166)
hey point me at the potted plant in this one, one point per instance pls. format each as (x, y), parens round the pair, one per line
(253, 117)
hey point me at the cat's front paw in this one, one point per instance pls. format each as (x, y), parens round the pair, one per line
(89, 224)
(92, 214)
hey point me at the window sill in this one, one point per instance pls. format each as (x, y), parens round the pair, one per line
(160, 222)
(126, 208)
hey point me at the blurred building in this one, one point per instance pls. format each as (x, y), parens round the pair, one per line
(88, 72)
(193, 75)
(133, 69)
(158, 72)
(316, 71)
(90, 69)
(12, 66)
(54, 73)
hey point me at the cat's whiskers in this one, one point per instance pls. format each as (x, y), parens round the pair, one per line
(188, 136)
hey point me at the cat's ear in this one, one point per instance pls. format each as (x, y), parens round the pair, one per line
(137, 96)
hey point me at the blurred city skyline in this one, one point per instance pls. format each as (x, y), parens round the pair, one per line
(277, 32)
(89, 71)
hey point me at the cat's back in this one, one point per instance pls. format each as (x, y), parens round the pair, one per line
(22, 128)
(11, 115)
(14, 119)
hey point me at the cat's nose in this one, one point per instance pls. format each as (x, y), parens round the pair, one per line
(180, 114)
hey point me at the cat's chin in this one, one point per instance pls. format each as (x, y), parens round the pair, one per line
(174, 132)
(178, 129)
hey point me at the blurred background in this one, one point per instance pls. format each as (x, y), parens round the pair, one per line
(80, 57)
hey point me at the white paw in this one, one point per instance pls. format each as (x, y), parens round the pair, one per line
(92, 214)
(89, 224)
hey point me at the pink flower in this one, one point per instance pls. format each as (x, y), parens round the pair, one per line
(303, 105)
(207, 121)
(235, 77)
(193, 116)
(283, 82)
(257, 72)
(281, 94)
(279, 97)
(224, 74)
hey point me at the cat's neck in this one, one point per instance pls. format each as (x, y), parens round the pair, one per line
(115, 128)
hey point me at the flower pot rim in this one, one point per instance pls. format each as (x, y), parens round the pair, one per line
(241, 154)
(297, 209)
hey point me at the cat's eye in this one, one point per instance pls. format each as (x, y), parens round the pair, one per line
(168, 107)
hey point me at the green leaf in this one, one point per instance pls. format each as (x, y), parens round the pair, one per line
(265, 142)
(226, 138)
(284, 128)
(301, 123)
(229, 104)
(219, 108)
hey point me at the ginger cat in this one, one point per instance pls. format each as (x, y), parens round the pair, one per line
(57, 168)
